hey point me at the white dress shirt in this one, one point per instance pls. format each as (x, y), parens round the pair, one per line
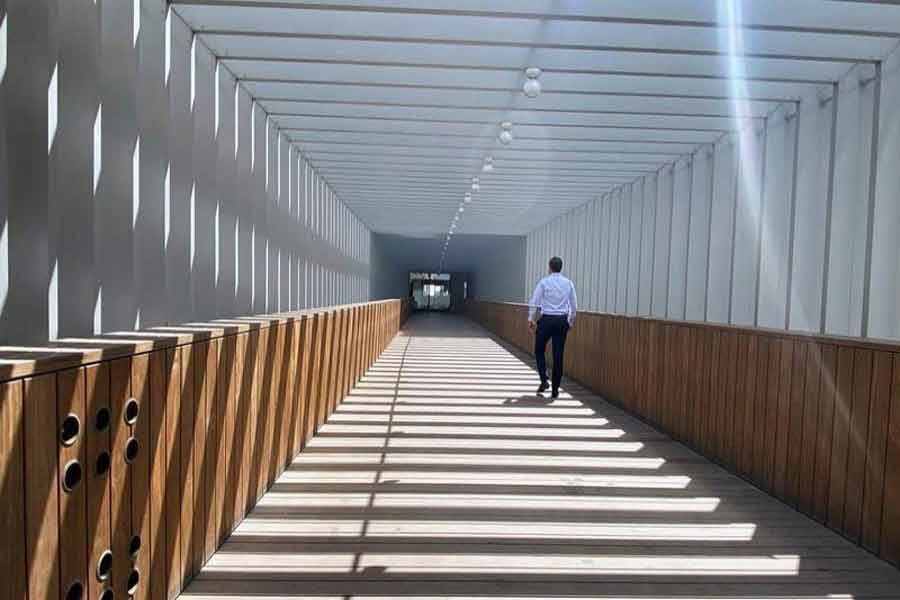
(554, 295)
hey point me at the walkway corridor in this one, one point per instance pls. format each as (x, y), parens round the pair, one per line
(443, 476)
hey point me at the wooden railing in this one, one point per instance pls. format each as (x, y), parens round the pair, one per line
(813, 420)
(126, 460)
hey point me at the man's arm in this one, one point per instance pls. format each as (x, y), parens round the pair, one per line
(536, 298)
(573, 306)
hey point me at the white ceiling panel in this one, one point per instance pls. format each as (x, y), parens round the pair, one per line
(396, 103)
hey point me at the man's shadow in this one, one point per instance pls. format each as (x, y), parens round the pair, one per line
(528, 400)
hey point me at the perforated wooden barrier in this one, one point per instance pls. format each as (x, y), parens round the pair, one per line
(813, 420)
(126, 460)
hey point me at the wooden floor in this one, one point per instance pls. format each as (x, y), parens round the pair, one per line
(443, 476)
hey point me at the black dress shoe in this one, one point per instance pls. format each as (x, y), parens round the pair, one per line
(542, 388)
(554, 394)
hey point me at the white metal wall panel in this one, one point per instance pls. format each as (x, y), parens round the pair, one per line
(587, 278)
(698, 239)
(721, 243)
(648, 245)
(602, 254)
(810, 221)
(776, 219)
(605, 237)
(634, 260)
(615, 233)
(884, 294)
(678, 246)
(747, 227)
(624, 208)
(662, 242)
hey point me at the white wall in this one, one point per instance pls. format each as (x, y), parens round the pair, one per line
(148, 188)
(790, 222)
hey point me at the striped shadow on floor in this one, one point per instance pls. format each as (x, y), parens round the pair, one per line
(443, 476)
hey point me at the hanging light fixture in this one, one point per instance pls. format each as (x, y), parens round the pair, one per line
(461, 209)
(506, 136)
(468, 197)
(532, 87)
(476, 184)
(488, 165)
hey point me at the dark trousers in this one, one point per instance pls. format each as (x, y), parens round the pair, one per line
(555, 327)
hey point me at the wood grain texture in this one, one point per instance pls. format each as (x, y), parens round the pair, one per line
(827, 398)
(98, 484)
(809, 441)
(155, 547)
(188, 450)
(782, 425)
(860, 404)
(840, 440)
(312, 366)
(41, 487)
(890, 520)
(12, 501)
(324, 391)
(793, 427)
(73, 535)
(141, 514)
(301, 374)
(873, 492)
(228, 381)
(174, 473)
(121, 474)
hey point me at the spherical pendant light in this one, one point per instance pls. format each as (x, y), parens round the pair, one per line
(532, 87)
(488, 166)
(506, 135)
(468, 197)
(476, 184)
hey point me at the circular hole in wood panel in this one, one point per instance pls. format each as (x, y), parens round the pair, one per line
(132, 410)
(101, 468)
(134, 580)
(131, 450)
(71, 475)
(69, 430)
(101, 421)
(134, 547)
(104, 565)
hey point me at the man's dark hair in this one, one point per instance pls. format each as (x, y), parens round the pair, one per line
(556, 264)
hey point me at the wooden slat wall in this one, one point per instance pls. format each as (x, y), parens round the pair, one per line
(157, 455)
(814, 421)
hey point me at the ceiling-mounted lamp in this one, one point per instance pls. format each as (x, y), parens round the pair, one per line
(532, 87)
(476, 184)
(468, 197)
(461, 209)
(488, 165)
(506, 135)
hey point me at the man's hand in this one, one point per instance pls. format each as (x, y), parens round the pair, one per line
(531, 326)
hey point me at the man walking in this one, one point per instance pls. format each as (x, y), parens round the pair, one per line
(555, 297)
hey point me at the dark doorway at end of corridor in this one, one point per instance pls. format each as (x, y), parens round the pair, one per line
(441, 292)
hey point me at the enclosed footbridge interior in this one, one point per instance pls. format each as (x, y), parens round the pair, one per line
(265, 268)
